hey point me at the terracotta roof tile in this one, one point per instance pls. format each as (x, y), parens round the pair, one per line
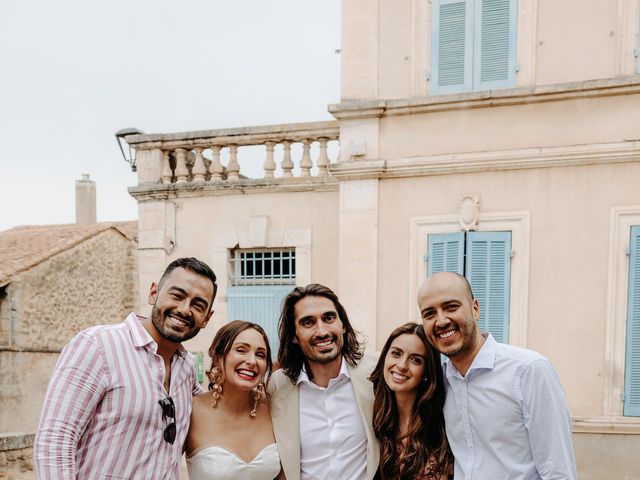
(24, 247)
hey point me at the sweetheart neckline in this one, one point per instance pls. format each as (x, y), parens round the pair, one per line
(209, 447)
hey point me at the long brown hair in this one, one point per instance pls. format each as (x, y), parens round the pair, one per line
(290, 356)
(427, 453)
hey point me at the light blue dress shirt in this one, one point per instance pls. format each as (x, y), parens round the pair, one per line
(507, 419)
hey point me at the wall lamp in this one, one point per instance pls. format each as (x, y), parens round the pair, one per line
(120, 137)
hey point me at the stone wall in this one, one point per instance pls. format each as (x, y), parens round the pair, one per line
(93, 283)
(16, 455)
(89, 284)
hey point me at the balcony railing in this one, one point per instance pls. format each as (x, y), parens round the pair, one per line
(227, 156)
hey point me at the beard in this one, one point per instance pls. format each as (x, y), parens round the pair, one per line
(159, 318)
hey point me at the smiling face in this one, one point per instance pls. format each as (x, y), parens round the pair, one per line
(404, 364)
(449, 315)
(246, 363)
(181, 305)
(319, 330)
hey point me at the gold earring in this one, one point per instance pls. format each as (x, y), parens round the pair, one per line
(258, 392)
(216, 379)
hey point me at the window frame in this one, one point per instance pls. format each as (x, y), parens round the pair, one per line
(518, 222)
(473, 49)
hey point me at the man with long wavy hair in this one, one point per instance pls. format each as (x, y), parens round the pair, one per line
(321, 399)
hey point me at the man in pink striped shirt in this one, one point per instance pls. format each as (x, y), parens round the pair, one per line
(119, 401)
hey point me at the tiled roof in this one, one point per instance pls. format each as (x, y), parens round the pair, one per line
(21, 248)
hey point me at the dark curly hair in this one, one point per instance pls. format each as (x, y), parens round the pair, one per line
(223, 341)
(427, 453)
(290, 356)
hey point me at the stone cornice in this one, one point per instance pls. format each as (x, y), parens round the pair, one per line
(160, 191)
(358, 169)
(542, 157)
(610, 425)
(573, 155)
(255, 135)
(490, 98)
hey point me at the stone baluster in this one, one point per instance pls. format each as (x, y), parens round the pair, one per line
(182, 173)
(215, 168)
(323, 158)
(287, 163)
(305, 161)
(233, 169)
(198, 169)
(166, 167)
(269, 162)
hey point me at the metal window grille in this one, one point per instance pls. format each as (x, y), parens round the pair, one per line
(263, 267)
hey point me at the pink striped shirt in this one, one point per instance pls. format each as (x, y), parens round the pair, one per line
(101, 417)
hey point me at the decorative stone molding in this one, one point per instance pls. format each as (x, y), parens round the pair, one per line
(611, 425)
(148, 192)
(468, 211)
(573, 155)
(489, 98)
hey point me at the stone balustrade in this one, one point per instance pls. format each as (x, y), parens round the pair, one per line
(298, 150)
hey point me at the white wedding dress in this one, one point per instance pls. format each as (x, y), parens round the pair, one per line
(219, 463)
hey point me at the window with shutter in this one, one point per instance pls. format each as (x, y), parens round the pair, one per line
(259, 281)
(632, 364)
(484, 258)
(473, 45)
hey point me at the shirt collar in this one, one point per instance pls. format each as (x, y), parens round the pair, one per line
(304, 377)
(485, 359)
(142, 338)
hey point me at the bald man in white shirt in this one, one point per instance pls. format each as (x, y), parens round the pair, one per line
(321, 398)
(506, 414)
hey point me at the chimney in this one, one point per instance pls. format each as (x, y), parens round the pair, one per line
(85, 200)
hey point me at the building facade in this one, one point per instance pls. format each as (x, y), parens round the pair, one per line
(496, 138)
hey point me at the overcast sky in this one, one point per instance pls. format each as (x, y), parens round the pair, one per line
(73, 72)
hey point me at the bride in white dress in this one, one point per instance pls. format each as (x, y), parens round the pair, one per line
(231, 436)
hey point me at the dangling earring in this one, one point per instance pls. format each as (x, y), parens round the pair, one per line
(257, 396)
(216, 379)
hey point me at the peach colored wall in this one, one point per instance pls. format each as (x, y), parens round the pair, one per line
(385, 44)
(208, 226)
(570, 122)
(570, 214)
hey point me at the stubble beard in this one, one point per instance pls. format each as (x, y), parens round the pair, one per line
(157, 320)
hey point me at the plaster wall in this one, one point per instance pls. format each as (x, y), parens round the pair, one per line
(386, 44)
(569, 122)
(207, 227)
(569, 232)
(616, 456)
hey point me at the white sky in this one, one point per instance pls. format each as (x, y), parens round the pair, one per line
(73, 72)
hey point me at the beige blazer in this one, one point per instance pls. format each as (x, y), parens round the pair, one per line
(285, 412)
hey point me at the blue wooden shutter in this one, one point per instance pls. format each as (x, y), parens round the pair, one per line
(488, 268)
(258, 304)
(494, 44)
(451, 46)
(632, 367)
(445, 253)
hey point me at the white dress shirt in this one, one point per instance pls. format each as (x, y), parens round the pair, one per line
(507, 419)
(333, 440)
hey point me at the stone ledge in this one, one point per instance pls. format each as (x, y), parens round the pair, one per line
(607, 425)
(240, 136)
(163, 191)
(518, 159)
(16, 441)
(488, 98)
